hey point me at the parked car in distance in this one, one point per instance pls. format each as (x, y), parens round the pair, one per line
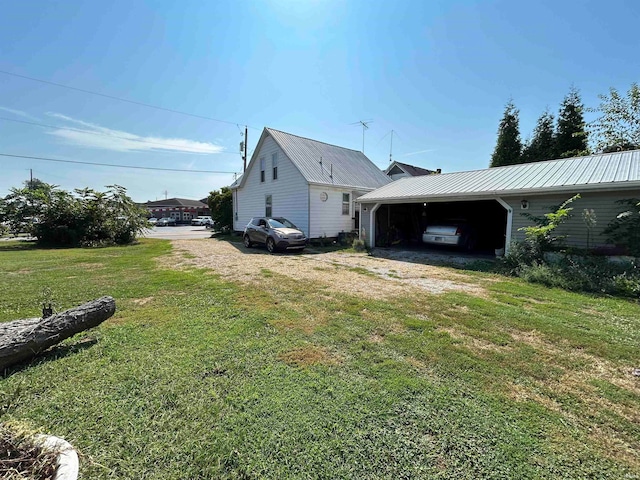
(276, 233)
(153, 220)
(166, 221)
(458, 234)
(202, 220)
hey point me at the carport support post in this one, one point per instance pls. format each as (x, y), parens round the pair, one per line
(372, 225)
(507, 238)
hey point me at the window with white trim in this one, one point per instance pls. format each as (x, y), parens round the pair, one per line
(346, 203)
(262, 162)
(274, 165)
(267, 206)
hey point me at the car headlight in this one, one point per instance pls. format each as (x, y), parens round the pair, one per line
(280, 234)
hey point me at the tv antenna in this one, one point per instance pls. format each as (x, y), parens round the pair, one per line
(365, 126)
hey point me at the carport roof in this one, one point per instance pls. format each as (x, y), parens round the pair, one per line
(609, 171)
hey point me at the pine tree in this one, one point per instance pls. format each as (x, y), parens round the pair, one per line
(571, 135)
(508, 149)
(543, 144)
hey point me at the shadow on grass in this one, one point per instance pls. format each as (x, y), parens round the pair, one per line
(17, 245)
(53, 353)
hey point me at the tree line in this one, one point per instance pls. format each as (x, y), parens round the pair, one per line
(616, 129)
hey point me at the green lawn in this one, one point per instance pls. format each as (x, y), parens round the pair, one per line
(195, 377)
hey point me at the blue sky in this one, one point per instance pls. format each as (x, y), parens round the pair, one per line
(437, 73)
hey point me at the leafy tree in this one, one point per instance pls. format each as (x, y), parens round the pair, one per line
(82, 218)
(571, 136)
(509, 146)
(624, 230)
(542, 145)
(618, 127)
(221, 206)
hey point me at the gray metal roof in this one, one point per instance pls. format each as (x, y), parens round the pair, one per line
(602, 171)
(340, 166)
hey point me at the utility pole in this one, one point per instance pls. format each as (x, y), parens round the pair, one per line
(391, 148)
(31, 176)
(244, 152)
(165, 194)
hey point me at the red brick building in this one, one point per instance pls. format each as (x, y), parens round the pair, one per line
(182, 209)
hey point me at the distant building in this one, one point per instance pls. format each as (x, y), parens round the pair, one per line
(181, 209)
(399, 170)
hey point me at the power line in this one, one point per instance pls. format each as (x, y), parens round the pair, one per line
(110, 164)
(121, 99)
(91, 133)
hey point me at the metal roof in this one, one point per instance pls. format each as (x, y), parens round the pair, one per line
(601, 171)
(322, 163)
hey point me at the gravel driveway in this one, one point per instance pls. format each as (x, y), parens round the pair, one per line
(356, 273)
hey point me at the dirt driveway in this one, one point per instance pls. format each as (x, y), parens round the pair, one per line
(356, 273)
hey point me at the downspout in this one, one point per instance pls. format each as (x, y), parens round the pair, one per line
(372, 225)
(509, 227)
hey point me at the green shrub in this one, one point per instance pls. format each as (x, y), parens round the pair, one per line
(624, 230)
(358, 245)
(584, 274)
(82, 218)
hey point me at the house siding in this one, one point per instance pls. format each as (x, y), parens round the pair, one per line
(326, 217)
(290, 197)
(603, 203)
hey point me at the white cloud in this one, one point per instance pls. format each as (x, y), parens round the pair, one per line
(20, 113)
(108, 139)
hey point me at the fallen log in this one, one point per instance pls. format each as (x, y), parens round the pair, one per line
(23, 339)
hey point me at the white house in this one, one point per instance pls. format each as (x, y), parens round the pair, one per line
(312, 184)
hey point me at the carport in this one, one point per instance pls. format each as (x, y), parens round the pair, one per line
(501, 201)
(402, 223)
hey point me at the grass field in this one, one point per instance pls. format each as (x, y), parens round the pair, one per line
(196, 377)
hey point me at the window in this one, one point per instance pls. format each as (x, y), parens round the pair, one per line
(346, 203)
(274, 165)
(262, 169)
(267, 206)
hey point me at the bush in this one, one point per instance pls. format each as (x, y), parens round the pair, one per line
(624, 230)
(583, 274)
(83, 218)
(358, 245)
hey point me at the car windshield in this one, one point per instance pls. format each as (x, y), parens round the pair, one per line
(280, 223)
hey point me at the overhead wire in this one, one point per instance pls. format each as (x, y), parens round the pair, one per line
(112, 97)
(46, 159)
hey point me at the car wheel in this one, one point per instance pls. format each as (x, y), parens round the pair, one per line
(271, 245)
(247, 241)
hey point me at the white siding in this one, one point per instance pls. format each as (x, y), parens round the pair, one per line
(290, 198)
(326, 217)
(604, 204)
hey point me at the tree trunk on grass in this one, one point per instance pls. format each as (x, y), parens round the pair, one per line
(23, 339)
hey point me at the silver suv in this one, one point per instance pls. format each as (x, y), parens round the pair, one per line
(276, 233)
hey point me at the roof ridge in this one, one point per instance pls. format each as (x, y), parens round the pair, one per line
(313, 140)
(502, 167)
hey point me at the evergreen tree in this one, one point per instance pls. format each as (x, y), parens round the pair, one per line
(508, 149)
(618, 128)
(571, 135)
(542, 146)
